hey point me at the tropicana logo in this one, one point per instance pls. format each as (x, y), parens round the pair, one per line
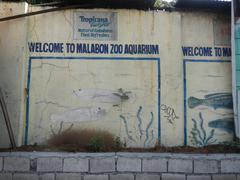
(95, 21)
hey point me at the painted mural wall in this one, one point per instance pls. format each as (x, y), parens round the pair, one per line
(147, 76)
(236, 60)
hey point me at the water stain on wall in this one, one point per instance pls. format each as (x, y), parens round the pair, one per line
(79, 115)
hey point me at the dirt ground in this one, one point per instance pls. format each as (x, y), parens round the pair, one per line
(158, 149)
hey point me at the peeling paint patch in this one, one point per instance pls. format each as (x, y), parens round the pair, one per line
(79, 115)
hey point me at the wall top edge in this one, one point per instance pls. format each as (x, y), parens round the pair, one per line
(219, 156)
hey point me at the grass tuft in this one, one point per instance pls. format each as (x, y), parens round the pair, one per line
(88, 139)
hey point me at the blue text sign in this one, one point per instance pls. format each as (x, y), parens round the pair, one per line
(95, 25)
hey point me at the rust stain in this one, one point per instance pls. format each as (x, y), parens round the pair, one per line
(139, 25)
(152, 79)
(142, 73)
(25, 94)
(152, 25)
(225, 31)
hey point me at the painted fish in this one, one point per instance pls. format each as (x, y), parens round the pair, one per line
(79, 115)
(104, 96)
(216, 100)
(226, 124)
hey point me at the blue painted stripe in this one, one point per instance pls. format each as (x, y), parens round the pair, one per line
(202, 60)
(236, 108)
(87, 58)
(159, 103)
(185, 102)
(94, 58)
(185, 61)
(27, 102)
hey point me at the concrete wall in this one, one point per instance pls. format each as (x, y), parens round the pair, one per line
(12, 68)
(174, 95)
(118, 166)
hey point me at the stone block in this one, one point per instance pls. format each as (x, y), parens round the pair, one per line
(238, 177)
(6, 176)
(147, 177)
(25, 177)
(173, 177)
(205, 166)
(129, 164)
(33, 165)
(154, 165)
(75, 165)
(68, 176)
(230, 166)
(224, 177)
(198, 177)
(101, 165)
(122, 177)
(50, 164)
(1, 163)
(179, 165)
(47, 177)
(16, 164)
(96, 177)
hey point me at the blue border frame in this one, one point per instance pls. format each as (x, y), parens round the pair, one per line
(185, 61)
(90, 58)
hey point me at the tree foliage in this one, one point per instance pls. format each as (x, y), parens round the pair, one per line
(159, 4)
(164, 4)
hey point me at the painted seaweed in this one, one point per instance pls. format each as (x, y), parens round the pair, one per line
(199, 135)
(126, 128)
(139, 122)
(148, 127)
(147, 132)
